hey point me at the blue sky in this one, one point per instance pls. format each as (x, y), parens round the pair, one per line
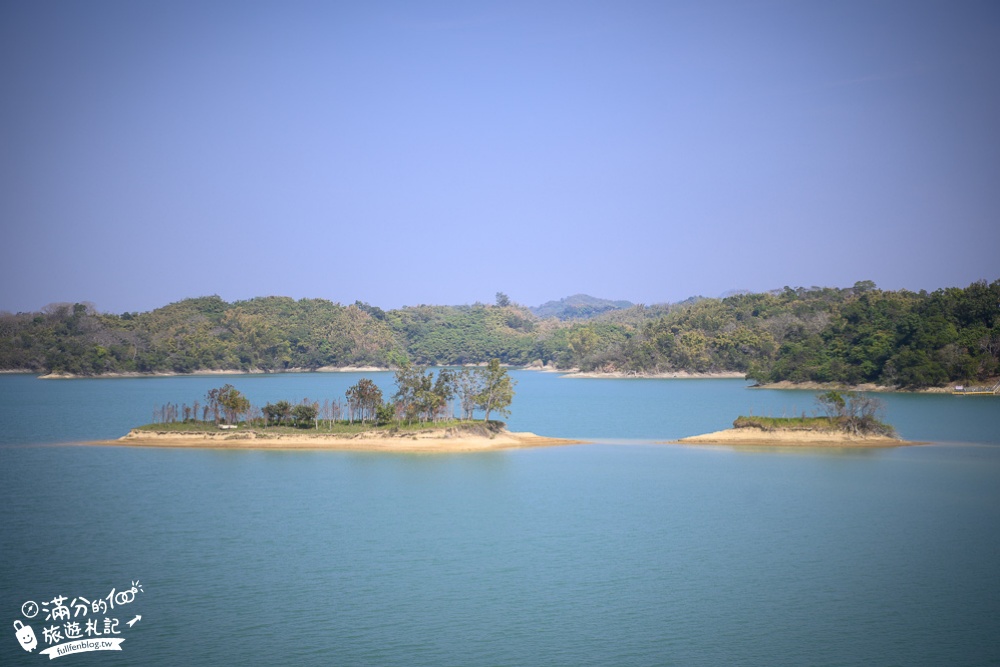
(406, 153)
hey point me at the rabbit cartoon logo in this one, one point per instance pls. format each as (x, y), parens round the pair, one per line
(26, 636)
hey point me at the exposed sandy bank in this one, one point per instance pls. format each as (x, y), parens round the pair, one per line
(540, 368)
(428, 441)
(869, 387)
(758, 437)
(252, 371)
(343, 369)
(132, 374)
(673, 375)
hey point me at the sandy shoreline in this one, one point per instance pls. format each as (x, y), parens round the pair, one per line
(252, 371)
(673, 375)
(568, 373)
(442, 441)
(439, 441)
(756, 437)
(827, 386)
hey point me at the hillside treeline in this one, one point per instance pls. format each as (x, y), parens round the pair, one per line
(854, 335)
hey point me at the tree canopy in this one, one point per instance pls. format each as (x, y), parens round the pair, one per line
(496, 389)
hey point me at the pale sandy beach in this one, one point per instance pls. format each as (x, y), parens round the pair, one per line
(425, 442)
(251, 371)
(757, 437)
(868, 387)
(673, 375)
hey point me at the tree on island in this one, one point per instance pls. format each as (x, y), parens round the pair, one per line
(857, 413)
(466, 388)
(496, 391)
(443, 391)
(412, 385)
(363, 400)
(232, 402)
(305, 414)
(276, 413)
(421, 396)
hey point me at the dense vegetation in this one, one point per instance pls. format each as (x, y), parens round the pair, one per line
(443, 335)
(272, 333)
(853, 336)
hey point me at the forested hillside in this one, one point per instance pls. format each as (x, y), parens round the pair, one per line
(272, 333)
(441, 335)
(854, 335)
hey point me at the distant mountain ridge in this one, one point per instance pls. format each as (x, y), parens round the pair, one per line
(578, 306)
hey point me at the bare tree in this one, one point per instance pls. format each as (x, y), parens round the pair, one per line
(858, 414)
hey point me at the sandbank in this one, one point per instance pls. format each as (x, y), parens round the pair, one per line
(440, 441)
(756, 437)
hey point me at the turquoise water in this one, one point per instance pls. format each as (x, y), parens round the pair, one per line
(621, 552)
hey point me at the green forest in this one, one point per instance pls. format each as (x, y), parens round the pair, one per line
(852, 336)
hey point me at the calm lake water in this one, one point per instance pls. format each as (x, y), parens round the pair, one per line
(622, 552)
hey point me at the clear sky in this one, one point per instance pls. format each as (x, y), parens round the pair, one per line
(438, 152)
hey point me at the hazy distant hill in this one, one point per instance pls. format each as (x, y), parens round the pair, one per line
(578, 306)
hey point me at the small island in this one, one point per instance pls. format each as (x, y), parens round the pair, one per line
(790, 436)
(419, 418)
(852, 420)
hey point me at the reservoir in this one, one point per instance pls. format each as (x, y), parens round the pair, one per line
(623, 551)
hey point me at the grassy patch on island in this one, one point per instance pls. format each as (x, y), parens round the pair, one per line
(788, 423)
(339, 428)
(847, 412)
